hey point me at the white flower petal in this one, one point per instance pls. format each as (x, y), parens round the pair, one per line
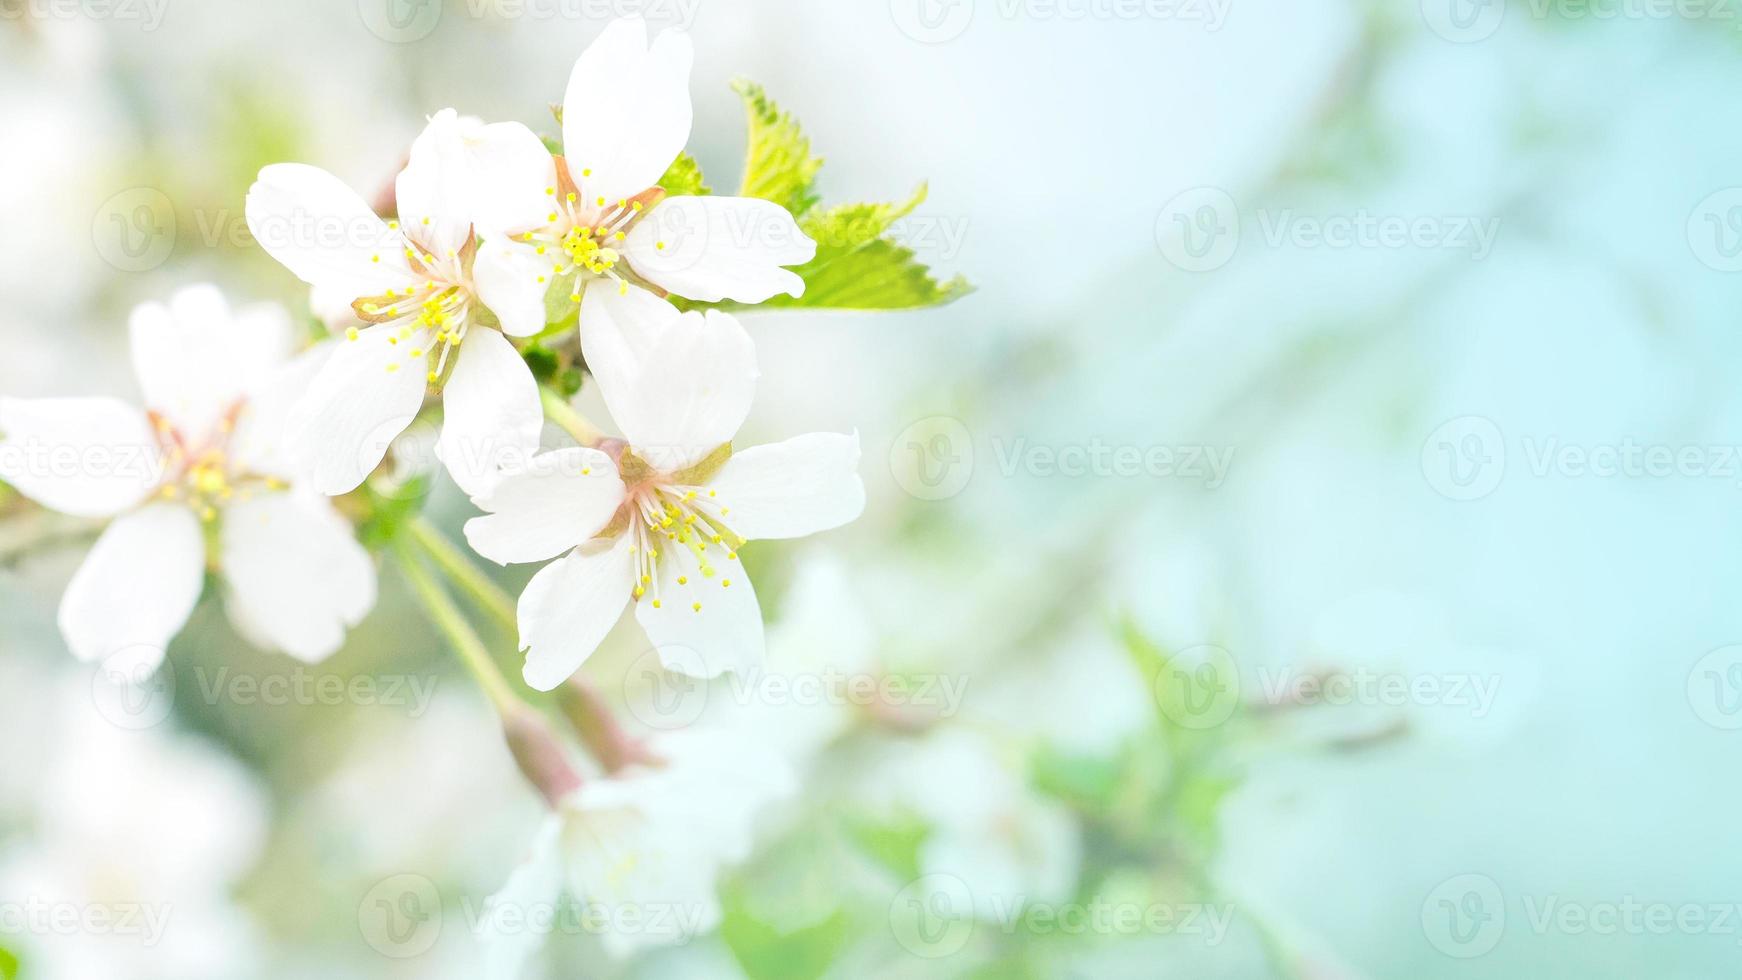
(512, 170)
(89, 457)
(557, 502)
(715, 248)
(492, 415)
(679, 385)
(295, 577)
(512, 280)
(725, 633)
(806, 484)
(436, 190)
(138, 585)
(626, 115)
(196, 360)
(354, 409)
(260, 444)
(569, 606)
(537, 883)
(324, 233)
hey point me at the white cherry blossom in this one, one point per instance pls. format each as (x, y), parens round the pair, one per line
(200, 478)
(595, 219)
(657, 519)
(422, 292)
(650, 840)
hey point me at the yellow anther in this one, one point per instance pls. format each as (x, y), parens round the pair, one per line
(683, 580)
(351, 333)
(550, 191)
(725, 583)
(656, 603)
(697, 607)
(374, 258)
(392, 368)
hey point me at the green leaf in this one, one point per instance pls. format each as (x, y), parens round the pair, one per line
(895, 846)
(780, 167)
(766, 953)
(858, 266)
(684, 178)
(8, 964)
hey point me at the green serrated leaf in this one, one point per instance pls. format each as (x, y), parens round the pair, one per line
(684, 178)
(780, 166)
(766, 953)
(859, 267)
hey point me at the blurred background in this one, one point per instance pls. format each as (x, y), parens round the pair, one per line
(1309, 553)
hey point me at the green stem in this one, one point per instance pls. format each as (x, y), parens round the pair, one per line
(558, 410)
(460, 570)
(452, 623)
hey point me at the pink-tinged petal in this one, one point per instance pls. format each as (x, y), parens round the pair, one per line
(492, 416)
(679, 385)
(138, 586)
(569, 607)
(324, 233)
(353, 410)
(557, 502)
(196, 359)
(626, 115)
(512, 280)
(715, 248)
(806, 484)
(89, 457)
(295, 577)
(708, 623)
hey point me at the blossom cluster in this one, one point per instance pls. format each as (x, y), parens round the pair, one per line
(250, 461)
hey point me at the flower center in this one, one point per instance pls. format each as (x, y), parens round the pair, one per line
(584, 234)
(664, 515)
(427, 320)
(203, 477)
